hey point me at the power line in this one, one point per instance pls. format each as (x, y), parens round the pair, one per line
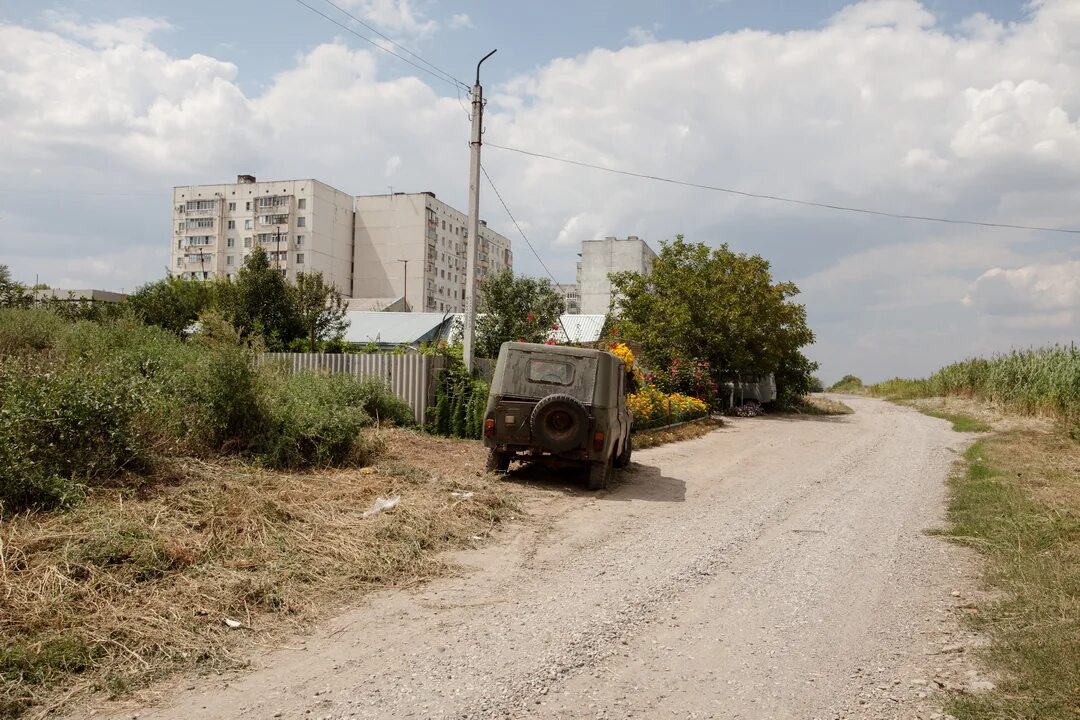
(779, 198)
(447, 79)
(395, 44)
(525, 238)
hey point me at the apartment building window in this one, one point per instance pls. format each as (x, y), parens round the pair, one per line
(247, 242)
(247, 224)
(230, 242)
(299, 258)
(232, 224)
(443, 224)
(179, 262)
(228, 259)
(301, 221)
(299, 239)
(180, 226)
(247, 205)
(232, 207)
(301, 203)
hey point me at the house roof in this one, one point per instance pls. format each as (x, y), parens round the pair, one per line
(580, 328)
(397, 328)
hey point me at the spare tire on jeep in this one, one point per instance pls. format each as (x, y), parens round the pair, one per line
(559, 423)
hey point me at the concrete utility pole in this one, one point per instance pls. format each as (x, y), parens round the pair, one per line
(405, 289)
(474, 215)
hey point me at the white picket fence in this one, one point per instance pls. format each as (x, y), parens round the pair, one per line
(411, 376)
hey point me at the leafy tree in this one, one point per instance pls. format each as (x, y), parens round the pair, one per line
(261, 302)
(13, 293)
(795, 378)
(321, 308)
(700, 303)
(515, 308)
(172, 303)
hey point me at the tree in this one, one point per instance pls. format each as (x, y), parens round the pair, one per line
(13, 293)
(515, 308)
(261, 302)
(172, 303)
(715, 305)
(795, 378)
(321, 308)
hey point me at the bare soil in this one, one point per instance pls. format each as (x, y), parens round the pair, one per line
(778, 567)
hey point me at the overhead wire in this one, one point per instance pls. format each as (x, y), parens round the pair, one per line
(780, 198)
(394, 43)
(440, 74)
(525, 238)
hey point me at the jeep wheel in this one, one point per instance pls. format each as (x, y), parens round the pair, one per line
(559, 423)
(623, 458)
(599, 474)
(497, 462)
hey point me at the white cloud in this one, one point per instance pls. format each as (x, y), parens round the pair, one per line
(638, 35)
(878, 108)
(1052, 290)
(460, 20)
(398, 17)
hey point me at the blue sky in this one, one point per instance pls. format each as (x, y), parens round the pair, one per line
(961, 109)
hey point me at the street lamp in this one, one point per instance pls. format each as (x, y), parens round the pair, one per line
(405, 287)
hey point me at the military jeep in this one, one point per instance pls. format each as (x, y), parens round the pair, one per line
(559, 405)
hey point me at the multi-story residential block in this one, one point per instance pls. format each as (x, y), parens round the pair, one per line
(304, 225)
(413, 245)
(600, 258)
(571, 297)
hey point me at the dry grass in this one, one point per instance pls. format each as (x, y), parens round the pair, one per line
(1017, 501)
(689, 431)
(818, 405)
(129, 587)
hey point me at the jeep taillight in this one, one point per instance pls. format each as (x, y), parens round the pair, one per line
(598, 441)
(489, 426)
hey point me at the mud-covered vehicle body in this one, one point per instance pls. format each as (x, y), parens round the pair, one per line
(561, 405)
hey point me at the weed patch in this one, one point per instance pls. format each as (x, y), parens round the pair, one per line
(689, 431)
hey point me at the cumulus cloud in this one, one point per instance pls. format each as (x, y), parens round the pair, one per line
(1031, 290)
(879, 107)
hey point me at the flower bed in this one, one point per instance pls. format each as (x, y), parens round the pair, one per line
(652, 408)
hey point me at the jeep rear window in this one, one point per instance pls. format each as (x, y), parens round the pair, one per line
(551, 372)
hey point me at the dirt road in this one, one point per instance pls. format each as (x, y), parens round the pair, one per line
(776, 568)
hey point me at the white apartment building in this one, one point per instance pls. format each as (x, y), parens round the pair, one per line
(413, 245)
(571, 297)
(600, 258)
(304, 225)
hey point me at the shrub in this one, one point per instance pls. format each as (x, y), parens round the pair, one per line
(846, 384)
(460, 402)
(28, 330)
(316, 420)
(63, 427)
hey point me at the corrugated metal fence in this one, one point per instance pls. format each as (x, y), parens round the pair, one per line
(411, 376)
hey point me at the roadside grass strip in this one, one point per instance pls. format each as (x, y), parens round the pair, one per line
(960, 421)
(1016, 500)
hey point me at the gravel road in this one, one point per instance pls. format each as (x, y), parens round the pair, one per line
(775, 568)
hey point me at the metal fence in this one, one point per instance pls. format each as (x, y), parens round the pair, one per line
(411, 377)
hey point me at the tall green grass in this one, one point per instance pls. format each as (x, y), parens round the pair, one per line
(1044, 381)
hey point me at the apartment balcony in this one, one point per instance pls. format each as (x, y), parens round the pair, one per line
(269, 203)
(273, 219)
(201, 259)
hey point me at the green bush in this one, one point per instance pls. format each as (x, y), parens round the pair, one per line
(24, 331)
(316, 419)
(64, 427)
(847, 384)
(460, 402)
